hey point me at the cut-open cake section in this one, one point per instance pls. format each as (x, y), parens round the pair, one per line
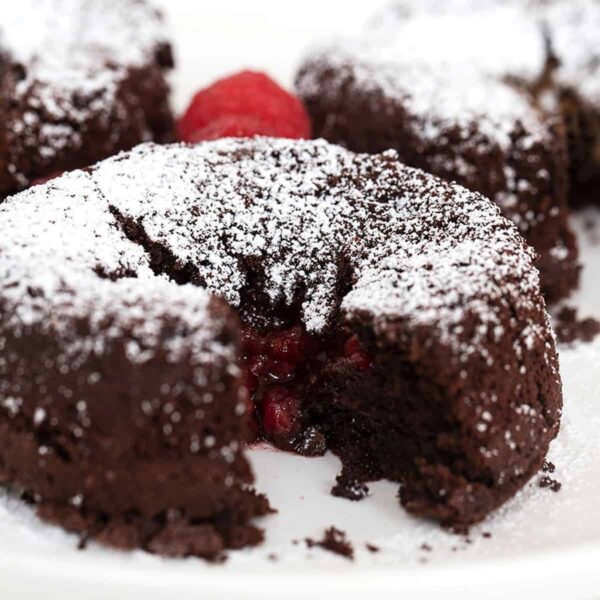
(196, 299)
(281, 370)
(573, 28)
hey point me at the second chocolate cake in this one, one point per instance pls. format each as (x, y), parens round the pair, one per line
(80, 81)
(465, 89)
(574, 35)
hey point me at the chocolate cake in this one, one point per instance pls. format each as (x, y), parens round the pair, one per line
(380, 311)
(80, 80)
(471, 107)
(574, 34)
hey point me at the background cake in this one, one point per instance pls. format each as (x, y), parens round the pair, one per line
(80, 80)
(466, 90)
(123, 407)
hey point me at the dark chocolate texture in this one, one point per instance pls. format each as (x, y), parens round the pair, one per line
(123, 411)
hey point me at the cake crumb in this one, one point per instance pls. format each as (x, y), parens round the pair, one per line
(349, 488)
(548, 482)
(334, 540)
(372, 548)
(83, 541)
(589, 223)
(426, 548)
(460, 529)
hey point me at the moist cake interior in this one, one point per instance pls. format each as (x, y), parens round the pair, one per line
(349, 301)
(308, 393)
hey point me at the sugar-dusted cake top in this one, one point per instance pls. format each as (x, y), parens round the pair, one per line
(461, 60)
(79, 43)
(66, 267)
(299, 220)
(574, 28)
(494, 37)
(448, 64)
(66, 61)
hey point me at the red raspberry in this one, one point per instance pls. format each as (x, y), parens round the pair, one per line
(280, 371)
(259, 365)
(352, 346)
(281, 413)
(252, 343)
(287, 345)
(245, 95)
(232, 126)
(356, 353)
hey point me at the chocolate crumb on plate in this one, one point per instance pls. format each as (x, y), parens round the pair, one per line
(548, 482)
(372, 548)
(349, 488)
(334, 540)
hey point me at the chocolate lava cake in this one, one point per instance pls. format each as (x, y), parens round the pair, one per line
(574, 34)
(80, 80)
(498, 95)
(171, 304)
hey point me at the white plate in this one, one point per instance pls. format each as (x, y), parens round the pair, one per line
(542, 542)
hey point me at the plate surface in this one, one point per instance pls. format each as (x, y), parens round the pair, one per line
(541, 541)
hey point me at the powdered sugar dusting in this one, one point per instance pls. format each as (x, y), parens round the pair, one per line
(301, 209)
(453, 82)
(61, 40)
(60, 249)
(452, 85)
(574, 27)
(299, 212)
(69, 59)
(463, 30)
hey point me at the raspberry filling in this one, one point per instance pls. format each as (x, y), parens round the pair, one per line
(279, 366)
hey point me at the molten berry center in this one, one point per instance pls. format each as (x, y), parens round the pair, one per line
(279, 365)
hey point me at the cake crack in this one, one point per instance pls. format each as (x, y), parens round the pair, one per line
(162, 260)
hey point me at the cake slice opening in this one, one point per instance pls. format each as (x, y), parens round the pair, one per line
(281, 366)
(341, 390)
